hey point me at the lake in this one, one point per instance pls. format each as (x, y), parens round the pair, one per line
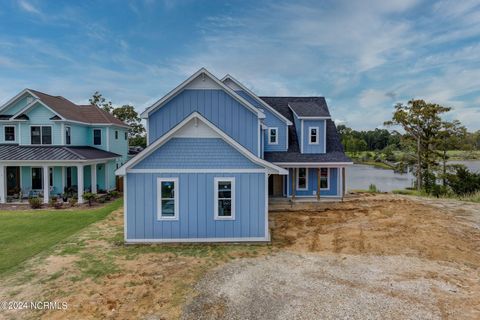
(360, 176)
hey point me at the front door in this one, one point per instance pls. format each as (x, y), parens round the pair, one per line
(13, 180)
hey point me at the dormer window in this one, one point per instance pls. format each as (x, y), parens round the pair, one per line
(313, 135)
(272, 135)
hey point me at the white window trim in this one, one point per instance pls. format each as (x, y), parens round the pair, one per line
(328, 179)
(297, 176)
(65, 133)
(14, 133)
(41, 134)
(310, 135)
(215, 195)
(159, 198)
(93, 137)
(270, 133)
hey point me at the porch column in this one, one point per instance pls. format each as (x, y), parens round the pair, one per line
(318, 183)
(294, 185)
(46, 184)
(3, 193)
(80, 183)
(93, 172)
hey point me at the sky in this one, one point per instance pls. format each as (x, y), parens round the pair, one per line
(363, 56)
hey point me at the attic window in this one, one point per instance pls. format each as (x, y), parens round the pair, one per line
(272, 135)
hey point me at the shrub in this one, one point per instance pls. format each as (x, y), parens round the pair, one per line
(58, 205)
(35, 202)
(90, 197)
(53, 201)
(101, 200)
(373, 188)
(114, 194)
(463, 182)
(72, 201)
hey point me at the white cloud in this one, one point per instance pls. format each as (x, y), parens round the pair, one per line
(28, 7)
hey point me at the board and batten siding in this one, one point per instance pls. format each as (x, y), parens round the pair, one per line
(194, 153)
(196, 208)
(217, 106)
(314, 148)
(333, 187)
(272, 121)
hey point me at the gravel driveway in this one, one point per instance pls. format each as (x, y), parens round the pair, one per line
(308, 286)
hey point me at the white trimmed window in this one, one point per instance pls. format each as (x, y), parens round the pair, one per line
(40, 134)
(9, 132)
(68, 135)
(302, 178)
(167, 198)
(313, 135)
(272, 135)
(324, 178)
(224, 202)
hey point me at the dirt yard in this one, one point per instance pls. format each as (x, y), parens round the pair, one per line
(370, 257)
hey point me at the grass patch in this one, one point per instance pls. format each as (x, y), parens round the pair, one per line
(24, 234)
(93, 267)
(410, 192)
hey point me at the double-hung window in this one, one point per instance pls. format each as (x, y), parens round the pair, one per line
(224, 202)
(167, 199)
(324, 173)
(272, 135)
(313, 135)
(302, 178)
(9, 133)
(41, 135)
(116, 134)
(68, 135)
(97, 137)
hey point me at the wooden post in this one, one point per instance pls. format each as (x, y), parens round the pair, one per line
(343, 183)
(318, 183)
(293, 184)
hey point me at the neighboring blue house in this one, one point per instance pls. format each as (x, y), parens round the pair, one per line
(216, 153)
(49, 145)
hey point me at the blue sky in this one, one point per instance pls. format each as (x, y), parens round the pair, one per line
(363, 56)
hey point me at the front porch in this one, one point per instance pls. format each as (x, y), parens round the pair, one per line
(18, 182)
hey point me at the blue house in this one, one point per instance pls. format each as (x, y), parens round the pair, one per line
(50, 145)
(217, 152)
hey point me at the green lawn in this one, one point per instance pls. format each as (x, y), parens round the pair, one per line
(24, 234)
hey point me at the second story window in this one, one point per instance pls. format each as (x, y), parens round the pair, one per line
(126, 135)
(313, 135)
(97, 137)
(9, 133)
(272, 135)
(68, 135)
(116, 134)
(41, 135)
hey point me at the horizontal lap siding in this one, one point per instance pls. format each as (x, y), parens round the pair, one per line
(196, 207)
(333, 188)
(188, 153)
(217, 106)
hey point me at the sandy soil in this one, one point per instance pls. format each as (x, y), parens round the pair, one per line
(99, 277)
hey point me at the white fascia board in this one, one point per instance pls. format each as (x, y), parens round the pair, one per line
(263, 103)
(271, 168)
(12, 100)
(30, 105)
(176, 90)
(313, 164)
(308, 118)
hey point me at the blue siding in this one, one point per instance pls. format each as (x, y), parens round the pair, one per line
(271, 120)
(333, 189)
(314, 148)
(205, 153)
(217, 106)
(196, 215)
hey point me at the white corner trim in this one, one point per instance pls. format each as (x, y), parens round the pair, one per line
(216, 180)
(310, 135)
(125, 200)
(301, 136)
(184, 84)
(270, 129)
(324, 136)
(175, 199)
(107, 134)
(254, 96)
(152, 147)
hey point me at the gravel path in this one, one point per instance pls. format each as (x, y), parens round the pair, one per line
(293, 286)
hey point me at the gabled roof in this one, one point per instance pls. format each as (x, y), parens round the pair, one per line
(65, 109)
(254, 96)
(315, 108)
(14, 152)
(334, 151)
(170, 134)
(202, 72)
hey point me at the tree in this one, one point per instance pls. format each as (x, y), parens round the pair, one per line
(422, 123)
(98, 100)
(127, 114)
(450, 137)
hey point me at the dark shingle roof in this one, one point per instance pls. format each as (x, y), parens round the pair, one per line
(313, 108)
(334, 152)
(14, 152)
(71, 111)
